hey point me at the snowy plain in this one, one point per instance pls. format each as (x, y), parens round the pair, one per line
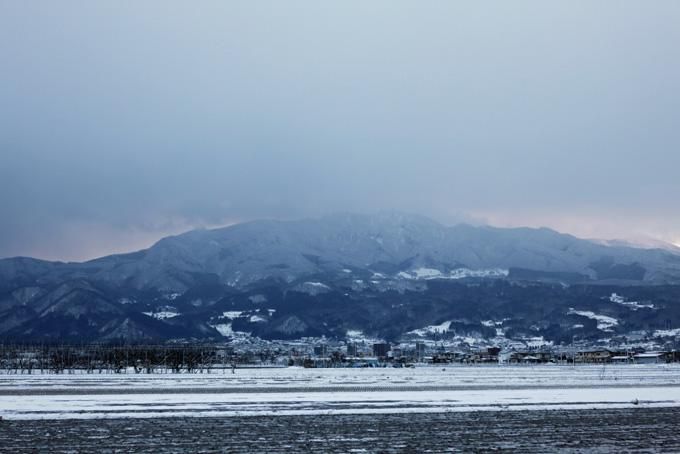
(297, 391)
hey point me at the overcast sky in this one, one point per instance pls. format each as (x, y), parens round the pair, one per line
(121, 122)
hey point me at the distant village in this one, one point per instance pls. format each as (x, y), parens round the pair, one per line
(383, 354)
(307, 353)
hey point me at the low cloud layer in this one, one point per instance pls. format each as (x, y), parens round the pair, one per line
(124, 122)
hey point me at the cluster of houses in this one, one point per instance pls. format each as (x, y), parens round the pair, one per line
(199, 358)
(593, 356)
(383, 354)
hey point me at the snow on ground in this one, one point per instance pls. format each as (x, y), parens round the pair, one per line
(422, 375)
(427, 273)
(226, 330)
(358, 336)
(634, 305)
(315, 403)
(432, 329)
(313, 288)
(317, 284)
(257, 319)
(232, 314)
(667, 332)
(278, 391)
(462, 273)
(538, 341)
(162, 315)
(458, 273)
(604, 322)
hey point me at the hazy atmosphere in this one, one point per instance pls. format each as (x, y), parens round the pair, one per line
(122, 122)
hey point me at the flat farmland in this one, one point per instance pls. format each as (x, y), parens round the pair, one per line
(608, 430)
(296, 391)
(426, 409)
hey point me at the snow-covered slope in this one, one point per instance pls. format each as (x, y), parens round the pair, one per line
(243, 254)
(321, 263)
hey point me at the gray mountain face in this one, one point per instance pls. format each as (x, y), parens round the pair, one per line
(244, 254)
(315, 276)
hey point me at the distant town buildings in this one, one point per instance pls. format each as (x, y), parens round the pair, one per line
(381, 350)
(311, 353)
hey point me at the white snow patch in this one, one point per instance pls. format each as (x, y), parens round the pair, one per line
(427, 273)
(317, 284)
(226, 330)
(313, 288)
(470, 340)
(432, 329)
(462, 273)
(604, 322)
(614, 298)
(458, 273)
(667, 332)
(323, 403)
(257, 319)
(162, 315)
(538, 341)
(634, 305)
(232, 314)
(358, 336)
(491, 388)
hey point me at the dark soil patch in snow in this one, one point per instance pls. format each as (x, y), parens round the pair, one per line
(614, 430)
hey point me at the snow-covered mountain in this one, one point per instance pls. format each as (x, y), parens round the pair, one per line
(350, 255)
(242, 255)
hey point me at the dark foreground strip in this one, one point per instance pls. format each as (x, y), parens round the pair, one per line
(303, 389)
(327, 407)
(612, 430)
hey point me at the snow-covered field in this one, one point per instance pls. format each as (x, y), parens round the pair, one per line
(285, 391)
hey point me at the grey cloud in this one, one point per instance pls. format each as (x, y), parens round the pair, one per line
(133, 120)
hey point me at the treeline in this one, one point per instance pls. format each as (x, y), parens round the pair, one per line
(106, 358)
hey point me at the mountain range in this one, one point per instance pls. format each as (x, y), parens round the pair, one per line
(386, 275)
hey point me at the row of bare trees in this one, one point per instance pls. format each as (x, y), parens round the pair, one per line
(102, 358)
